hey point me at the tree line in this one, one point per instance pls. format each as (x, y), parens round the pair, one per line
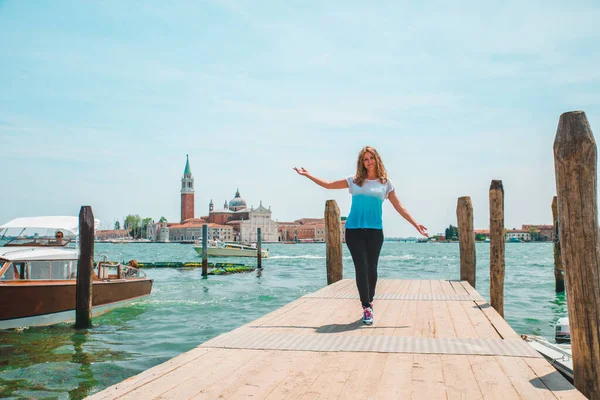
(136, 226)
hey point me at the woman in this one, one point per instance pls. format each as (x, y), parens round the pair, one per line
(364, 226)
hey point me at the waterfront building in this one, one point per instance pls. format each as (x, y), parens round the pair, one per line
(521, 234)
(112, 234)
(234, 222)
(305, 230)
(545, 232)
(244, 221)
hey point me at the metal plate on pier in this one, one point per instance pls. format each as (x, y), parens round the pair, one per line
(397, 296)
(252, 338)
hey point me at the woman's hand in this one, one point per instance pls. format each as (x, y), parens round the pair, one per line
(301, 171)
(422, 230)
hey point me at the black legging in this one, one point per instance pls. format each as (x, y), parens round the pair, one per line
(365, 246)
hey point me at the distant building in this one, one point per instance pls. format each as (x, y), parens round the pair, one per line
(234, 222)
(306, 230)
(484, 232)
(518, 234)
(112, 234)
(545, 232)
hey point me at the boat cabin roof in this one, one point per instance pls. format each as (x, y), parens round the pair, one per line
(62, 223)
(37, 253)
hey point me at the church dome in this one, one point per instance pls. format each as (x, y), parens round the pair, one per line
(237, 202)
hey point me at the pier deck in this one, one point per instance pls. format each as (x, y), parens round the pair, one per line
(430, 340)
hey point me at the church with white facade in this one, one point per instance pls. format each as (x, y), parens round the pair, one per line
(234, 222)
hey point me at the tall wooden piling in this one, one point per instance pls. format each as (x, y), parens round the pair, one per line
(333, 239)
(559, 272)
(497, 246)
(575, 160)
(466, 239)
(205, 250)
(83, 290)
(259, 247)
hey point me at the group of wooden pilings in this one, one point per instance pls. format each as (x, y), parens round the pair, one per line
(576, 244)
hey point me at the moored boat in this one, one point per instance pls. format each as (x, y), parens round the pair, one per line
(216, 248)
(559, 355)
(38, 275)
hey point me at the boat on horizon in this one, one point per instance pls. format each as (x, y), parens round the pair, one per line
(38, 275)
(217, 248)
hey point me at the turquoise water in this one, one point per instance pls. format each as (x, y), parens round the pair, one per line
(185, 310)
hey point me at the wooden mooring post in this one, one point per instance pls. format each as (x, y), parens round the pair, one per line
(204, 250)
(83, 290)
(559, 271)
(259, 248)
(466, 239)
(575, 162)
(497, 265)
(333, 239)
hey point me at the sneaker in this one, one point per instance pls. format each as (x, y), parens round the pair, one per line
(367, 316)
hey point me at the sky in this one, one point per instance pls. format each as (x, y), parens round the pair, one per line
(101, 101)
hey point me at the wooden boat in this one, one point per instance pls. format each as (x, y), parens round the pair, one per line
(216, 248)
(38, 276)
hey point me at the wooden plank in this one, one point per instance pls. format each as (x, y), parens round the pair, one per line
(298, 381)
(459, 378)
(333, 378)
(269, 375)
(458, 288)
(363, 380)
(553, 380)
(427, 377)
(500, 325)
(482, 325)
(232, 380)
(447, 288)
(388, 312)
(152, 374)
(396, 378)
(462, 323)
(220, 361)
(469, 289)
(524, 379)
(492, 381)
(444, 326)
(436, 287)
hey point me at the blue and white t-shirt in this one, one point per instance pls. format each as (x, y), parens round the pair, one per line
(367, 202)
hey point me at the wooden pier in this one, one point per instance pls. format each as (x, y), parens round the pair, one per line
(430, 340)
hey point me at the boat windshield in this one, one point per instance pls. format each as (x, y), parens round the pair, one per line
(38, 237)
(39, 241)
(38, 270)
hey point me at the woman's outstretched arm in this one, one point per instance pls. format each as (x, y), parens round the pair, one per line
(402, 211)
(341, 184)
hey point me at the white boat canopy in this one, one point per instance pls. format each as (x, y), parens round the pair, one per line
(64, 223)
(37, 254)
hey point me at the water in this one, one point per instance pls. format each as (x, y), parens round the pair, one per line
(185, 310)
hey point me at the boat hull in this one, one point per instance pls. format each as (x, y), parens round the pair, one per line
(225, 252)
(51, 302)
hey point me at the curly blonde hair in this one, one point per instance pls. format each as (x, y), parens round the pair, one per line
(361, 171)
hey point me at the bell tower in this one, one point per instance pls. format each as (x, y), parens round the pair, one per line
(187, 192)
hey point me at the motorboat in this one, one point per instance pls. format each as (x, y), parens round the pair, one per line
(558, 354)
(38, 275)
(217, 248)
